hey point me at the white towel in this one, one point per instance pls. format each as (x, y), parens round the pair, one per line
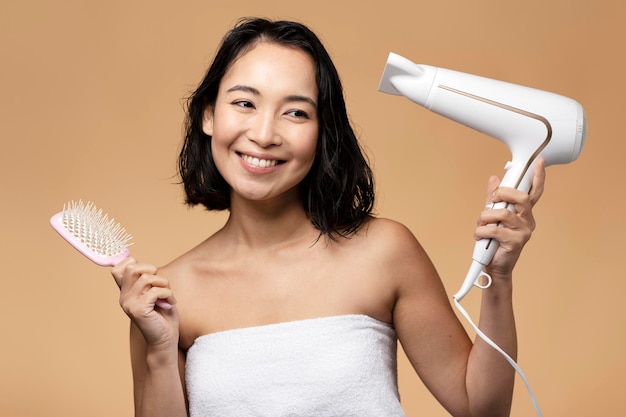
(330, 366)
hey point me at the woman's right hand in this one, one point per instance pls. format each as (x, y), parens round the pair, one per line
(141, 289)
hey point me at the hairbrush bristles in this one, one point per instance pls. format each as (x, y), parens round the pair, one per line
(92, 233)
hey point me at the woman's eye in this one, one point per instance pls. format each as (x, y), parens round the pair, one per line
(298, 113)
(244, 103)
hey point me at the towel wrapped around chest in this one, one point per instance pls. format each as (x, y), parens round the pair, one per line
(329, 366)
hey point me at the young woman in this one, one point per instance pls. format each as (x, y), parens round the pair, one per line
(294, 307)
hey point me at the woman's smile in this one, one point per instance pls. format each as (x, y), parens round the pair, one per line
(259, 162)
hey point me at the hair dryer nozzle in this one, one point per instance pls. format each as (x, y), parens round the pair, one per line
(402, 77)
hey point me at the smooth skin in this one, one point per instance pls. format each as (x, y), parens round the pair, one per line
(263, 266)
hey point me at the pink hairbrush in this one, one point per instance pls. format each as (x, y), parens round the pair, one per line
(92, 233)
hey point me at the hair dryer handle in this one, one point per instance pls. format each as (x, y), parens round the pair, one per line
(519, 176)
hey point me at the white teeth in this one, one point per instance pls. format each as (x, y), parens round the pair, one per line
(261, 163)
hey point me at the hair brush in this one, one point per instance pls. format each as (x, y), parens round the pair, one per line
(92, 233)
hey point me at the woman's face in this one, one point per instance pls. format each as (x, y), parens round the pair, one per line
(264, 124)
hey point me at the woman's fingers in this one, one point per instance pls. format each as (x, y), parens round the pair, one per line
(539, 179)
(511, 221)
(141, 291)
(130, 269)
(141, 288)
(513, 214)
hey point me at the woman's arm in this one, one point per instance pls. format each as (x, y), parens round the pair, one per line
(157, 381)
(157, 363)
(468, 379)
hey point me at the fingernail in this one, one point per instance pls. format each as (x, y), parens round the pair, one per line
(163, 304)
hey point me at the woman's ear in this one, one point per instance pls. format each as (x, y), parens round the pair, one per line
(207, 121)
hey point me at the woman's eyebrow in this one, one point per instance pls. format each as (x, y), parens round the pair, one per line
(256, 92)
(305, 99)
(245, 88)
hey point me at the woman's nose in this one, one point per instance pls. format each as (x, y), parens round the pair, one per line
(264, 131)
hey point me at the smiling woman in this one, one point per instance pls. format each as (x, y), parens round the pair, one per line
(338, 192)
(295, 306)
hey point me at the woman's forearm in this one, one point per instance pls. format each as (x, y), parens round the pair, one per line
(161, 390)
(490, 378)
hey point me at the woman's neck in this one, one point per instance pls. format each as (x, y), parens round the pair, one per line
(269, 224)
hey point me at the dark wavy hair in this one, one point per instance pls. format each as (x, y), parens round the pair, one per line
(338, 191)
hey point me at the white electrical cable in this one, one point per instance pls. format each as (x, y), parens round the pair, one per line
(503, 353)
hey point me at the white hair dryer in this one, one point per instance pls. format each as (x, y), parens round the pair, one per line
(532, 123)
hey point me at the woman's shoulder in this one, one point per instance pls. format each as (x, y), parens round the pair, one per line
(185, 264)
(392, 251)
(381, 230)
(389, 240)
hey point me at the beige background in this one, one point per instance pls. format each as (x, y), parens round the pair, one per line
(91, 107)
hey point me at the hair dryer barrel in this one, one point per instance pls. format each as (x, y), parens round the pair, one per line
(529, 121)
(532, 123)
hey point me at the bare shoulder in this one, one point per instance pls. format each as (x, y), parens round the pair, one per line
(394, 251)
(394, 241)
(176, 267)
(186, 264)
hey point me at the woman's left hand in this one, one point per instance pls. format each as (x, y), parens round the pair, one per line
(516, 226)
